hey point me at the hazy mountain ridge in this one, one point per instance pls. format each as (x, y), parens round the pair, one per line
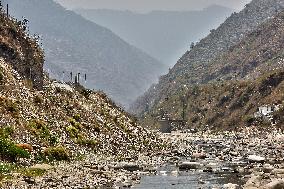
(234, 85)
(164, 35)
(74, 44)
(189, 69)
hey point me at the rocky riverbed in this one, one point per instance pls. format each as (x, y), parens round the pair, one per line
(249, 159)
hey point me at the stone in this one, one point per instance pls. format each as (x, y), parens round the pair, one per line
(230, 186)
(130, 167)
(276, 184)
(199, 155)
(267, 168)
(42, 166)
(234, 153)
(278, 171)
(257, 159)
(29, 180)
(189, 165)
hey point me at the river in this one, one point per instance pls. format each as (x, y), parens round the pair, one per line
(168, 177)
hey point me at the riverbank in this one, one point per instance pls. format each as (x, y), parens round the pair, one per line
(254, 158)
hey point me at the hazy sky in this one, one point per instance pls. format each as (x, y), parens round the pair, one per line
(148, 5)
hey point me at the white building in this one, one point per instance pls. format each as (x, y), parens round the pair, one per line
(264, 111)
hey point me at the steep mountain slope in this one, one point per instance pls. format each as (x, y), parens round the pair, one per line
(227, 105)
(196, 61)
(21, 51)
(73, 44)
(248, 76)
(165, 35)
(59, 122)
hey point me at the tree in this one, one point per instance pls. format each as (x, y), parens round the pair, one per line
(192, 45)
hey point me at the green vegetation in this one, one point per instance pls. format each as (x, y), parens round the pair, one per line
(77, 117)
(31, 172)
(6, 168)
(72, 131)
(58, 153)
(92, 143)
(249, 120)
(10, 106)
(6, 132)
(9, 151)
(1, 77)
(39, 128)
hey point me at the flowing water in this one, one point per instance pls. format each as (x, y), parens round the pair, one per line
(169, 177)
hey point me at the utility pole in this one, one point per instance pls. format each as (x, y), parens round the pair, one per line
(71, 74)
(79, 78)
(7, 10)
(85, 78)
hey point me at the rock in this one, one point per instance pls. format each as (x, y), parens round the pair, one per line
(130, 167)
(257, 159)
(199, 155)
(277, 184)
(42, 166)
(208, 170)
(253, 183)
(189, 165)
(267, 168)
(29, 180)
(277, 171)
(234, 154)
(230, 186)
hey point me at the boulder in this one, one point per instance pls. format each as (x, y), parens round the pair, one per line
(278, 171)
(42, 167)
(189, 165)
(267, 168)
(230, 186)
(276, 184)
(257, 159)
(199, 155)
(130, 167)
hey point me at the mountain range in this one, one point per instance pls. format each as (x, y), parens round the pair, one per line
(165, 35)
(243, 55)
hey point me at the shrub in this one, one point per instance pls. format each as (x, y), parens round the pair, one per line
(38, 99)
(72, 131)
(5, 168)
(77, 117)
(89, 143)
(249, 120)
(39, 128)
(1, 77)
(58, 153)
(5, 132)
(30, 172)
(53, 139)
(8, 150)
(75, 124)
